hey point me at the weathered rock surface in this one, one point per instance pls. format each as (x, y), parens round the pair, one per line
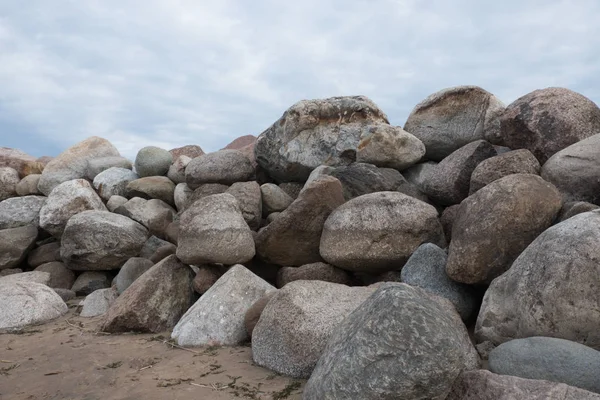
(130, 271)
(153, 214)
(115, 202)
(224, 166)
(151, 245)
(153, 161)
(255, 311)
(191, 151)
(28, 303)
(9, 179)
(16, 159)
(152, 187)
(31, 276)
(274, 199)
(447, 220)
(98, 302)
(418, 173)
(249, 199)
(15, 243)
(313, 272)
(513, 162)
(389, 147)
(572, 208)
(90, 281)
(60, 276)
(43, 254)
(21, 211)
(207, 276)
(177, 169)
(97, 165)
(113, 182)
(29, 185)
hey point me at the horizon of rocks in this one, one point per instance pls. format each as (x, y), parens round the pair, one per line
(455, 257)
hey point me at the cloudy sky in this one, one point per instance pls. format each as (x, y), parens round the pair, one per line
(176, 72)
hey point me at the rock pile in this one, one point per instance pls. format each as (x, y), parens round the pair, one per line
(348, 251)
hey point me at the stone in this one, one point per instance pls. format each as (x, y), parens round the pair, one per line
(390, 147)
(572, 208)
(154, 302)
(484, 385)
(447, 219)
(31, 276)
(163, 252)
(15, 159)
(552, 288)
(292, 188)
(130, 271)
(297, 323)
(151, 246)
(378, 232)
(152, 161)
(172, 232)
(217, 318)
(101, 240)
(213, 231)
(313, 272)
(401, 343)
(418, 173)
(274, 199)
(90, 281)
(293, 238)
(548, 120)
(113, 182)
(73, 162)
(191, 151)
(248, 195)
(10, 271)
(15, 244)
(272, 217)
(224, 167)
(451, 118)
(241, 142)
(153, 214)
(426, 268)
(97, 165)
(115, 202)
(448, 183)
(255, 311)
(28, 303)
(9, 179)
(66, 200)
(98, 302)
(152, 187)
(513, 162)
(184, 196)
(549, 359)
(575, 170)
(21, 211)
(494, 225)
(177, 169)
(65, 294)
(28, 186)
(207, 276)
(60, 276)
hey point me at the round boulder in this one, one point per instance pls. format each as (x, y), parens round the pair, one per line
(152, 161)
(9, 178)
(224, 166)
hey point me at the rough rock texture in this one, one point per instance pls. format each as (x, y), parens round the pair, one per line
(390, 147)
(151, 245)
(293, 239)
(513, 162)
(177, 169)
(28, 303)
(224, 166)
(98, 165)
(191, 150)
(241, 142)
(447, 220)
(21, 211)
(213, 230)
(426, 268)
(60, 276)
(66, 200)
(449, 119)
(90, 281)
(497, 223)
(217, 318)
(43, 254)
(292, 188)
(185, 197)
(448, 182)
(274, 199)
(73, 162)
(130, 271)
(296, 324)
(115, 202)
(154, 214)
(575, 171)
(552, 288)
(152, 187)
(15, 159)
(31, 276)
(207, 276)
(401, 343)
(28, 185)
(100, 240)
(548, 120)
(65, 294)
(377, 232)
(15, 243)
(9, 179)
(313, 272)
(573, 208)
(155, 301)
(550, 359)
(152, 161)
(249, 199)
(163, 252)
(484, 385)
(255, 311)
(113, 182)
(417, 174)
(98, 302)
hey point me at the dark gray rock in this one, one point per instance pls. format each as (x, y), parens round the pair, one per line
(60, 276)
(224, 166)
(21, 211)
(151, 245)
(153, 161)
(447, 219)
(65, 294)
(130, 271)
(513, 162)
(15, 244)
(572, 208)
(249, 199)
(292, 188)
(89, 282)
(207, 276)
(44, 254)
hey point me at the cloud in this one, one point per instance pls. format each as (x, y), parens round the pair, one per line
(176, 72)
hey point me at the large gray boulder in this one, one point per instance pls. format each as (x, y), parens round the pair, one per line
(152, 187)
(217, 318)
(389, 147)
(513, 162)
(44, 253)
(98, 302)
(177, 169)
(9, 179)
(575, 170)
(113, 182)
(100, 240)
(29, 185)
(319, 271)
(73, 162)
(548, 120)
(152, 161)
(377, 232)
(97, 165)
(31, 276)
(66, 200)
(249, 199)
(297, 322)
(130, 271)
(552, 288)
(213, 230)
(28, 303)
(401, 343)
(494, 225)
(60, 276)
(15, 243)
(550, 359)
(154, 214)
(274, 199)
(21, 211)
(453, 117)
(224, 166)
(90, 281)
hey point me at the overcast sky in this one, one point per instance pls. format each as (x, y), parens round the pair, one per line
(176, 72)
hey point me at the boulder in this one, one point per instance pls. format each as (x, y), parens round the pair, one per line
(497, 223)
(293, 239)
(248, 195)
(21, 211)
(255, 311)
(177, 169)
(297, 323)
(29, 185)
(552, 288)
(115, 202)
(207, 276)
(313, 272)
(390, 147)
(549, 359)
(154, 302)
(241, 142)
(217, 318)
(152, 187)
(9, 179)
(447, 219)
(154, 214)
(377, 232)
(292, 188)
(43, 254)
(451, 118)
(113, 182)
(98, 165)
(191, 151)
(274, 199)
(163, 252)
(184, 196)
(153, 161)
(73, 162)
(548, 120)
(172, 232)
(15, 244)
(31, 276)
(224, 166)
(65, 294)
(16, 159)
(100, 240)
(151, 245)
(98, 302)
(60, 276)
(418, 173)
(28, 303)
(130, 271)
(213, 230)
(572, 208)
(90, 281)
(66, 200)
(513, 162)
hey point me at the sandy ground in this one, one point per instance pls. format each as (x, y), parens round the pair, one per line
(68, 359)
